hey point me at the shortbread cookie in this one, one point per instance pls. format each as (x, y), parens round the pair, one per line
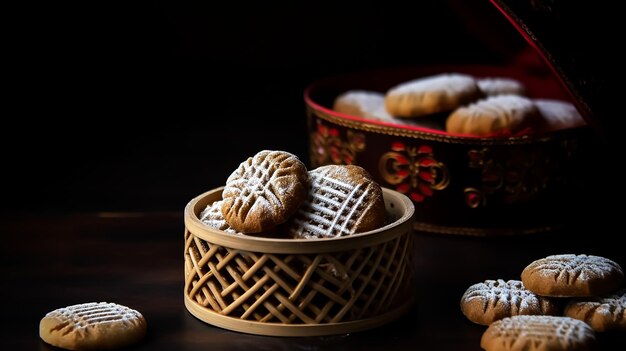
(491, 86)
(342, 200)
(370, 105)
(538, 333)
(489, 301)
(494, 115)
(572, 276)
(212, 216)
(431, 94)
(92, 326)
(264, 191)
(362, 103)
(558, 114)
(606, 313)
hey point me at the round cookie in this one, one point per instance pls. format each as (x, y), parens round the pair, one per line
(264, 191)
(538, 333)
(492, 86)
(92, 326)
(489, 301)
(606, 313)
(431, 94)
(212, 216)
(558, 114)
(370, 105)
(362, 103)
(572, 275)
(494, 115)
(342, 200)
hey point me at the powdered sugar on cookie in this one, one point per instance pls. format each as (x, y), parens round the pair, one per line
(491, 300)
(342, 200)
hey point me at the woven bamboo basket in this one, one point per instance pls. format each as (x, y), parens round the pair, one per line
(299, 287)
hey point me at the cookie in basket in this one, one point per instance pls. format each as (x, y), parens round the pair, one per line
(607, 313)
(572, 275)
(342, 200)
(212, 216)
(538, 333)
(432, 94)
(264, 191)
(491, 86)
(500, 114)
(491, 300)
(92, 326)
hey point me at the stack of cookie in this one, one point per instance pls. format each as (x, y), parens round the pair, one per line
(529, 312)
(461, 104)
(273, 193)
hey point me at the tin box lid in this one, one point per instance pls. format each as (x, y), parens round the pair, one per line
(571, 37)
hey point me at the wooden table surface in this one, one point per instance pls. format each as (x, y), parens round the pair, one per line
(136, 259)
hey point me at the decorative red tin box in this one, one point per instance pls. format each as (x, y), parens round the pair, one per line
(459, 184)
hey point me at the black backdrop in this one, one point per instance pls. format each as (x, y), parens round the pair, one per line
(139, 106)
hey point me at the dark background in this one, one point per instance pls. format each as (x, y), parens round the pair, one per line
(141, 105)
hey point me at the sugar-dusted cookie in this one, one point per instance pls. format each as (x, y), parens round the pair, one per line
(607, 313)
(264, 191)
(538, 333)
(370, 105)
(342, 200)
(572, 275)
(491, 86)
(92, 326)
(494, 115)
(557, 114)
(431, 94)
(489, 301)
(212, 216)
(362, 103)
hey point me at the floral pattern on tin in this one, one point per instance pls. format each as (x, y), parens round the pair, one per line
(414, 171)
(327, 146)
(516, 176)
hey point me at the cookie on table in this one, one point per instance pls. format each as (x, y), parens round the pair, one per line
(264, 191)
(342, 200)
(607, 313)
(370, 105)
(571, 275)
(494, 115)
(491, 86)
(432, 94)
(489, 301)
(538, 333)
(558, 114)
(212, 216)
(92, 326)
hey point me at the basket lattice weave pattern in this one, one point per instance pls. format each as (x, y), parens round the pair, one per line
(299, 288)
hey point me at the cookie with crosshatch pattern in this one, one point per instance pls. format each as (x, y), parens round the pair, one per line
(571, 275)
(92, 326)
(342, 200)
(491, 300)
(212, 216)
(602, 313)
(538, 333)
(264, 191)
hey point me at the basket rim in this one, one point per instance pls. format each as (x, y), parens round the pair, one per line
(288, 245)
